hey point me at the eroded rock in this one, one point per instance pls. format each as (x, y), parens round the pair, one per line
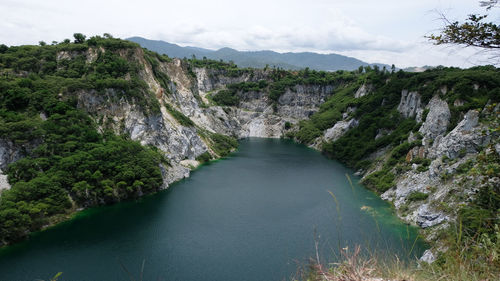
(339, 129)
(466, 137)
(437, 120)
(410, 105)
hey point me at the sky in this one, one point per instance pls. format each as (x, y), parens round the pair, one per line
(383, 31)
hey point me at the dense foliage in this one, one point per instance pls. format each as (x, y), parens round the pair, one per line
(378, 110)
(228, 68)
(278, 81)
(283, 80)
(382, 128)
(69, 163)
(230, 97)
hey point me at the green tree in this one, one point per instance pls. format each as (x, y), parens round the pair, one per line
(473, 32)
(3, 48)
(79, 38)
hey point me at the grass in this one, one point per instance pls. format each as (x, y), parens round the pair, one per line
(417, 196)
(466, 258)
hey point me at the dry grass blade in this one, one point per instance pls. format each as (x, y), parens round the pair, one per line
(352, 268)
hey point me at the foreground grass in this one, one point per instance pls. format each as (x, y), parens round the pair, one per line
(473, 258)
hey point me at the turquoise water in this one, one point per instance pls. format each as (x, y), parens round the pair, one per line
(251, 216)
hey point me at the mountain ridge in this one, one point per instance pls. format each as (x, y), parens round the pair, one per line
(258, 59)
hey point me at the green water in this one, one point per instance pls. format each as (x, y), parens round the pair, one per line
(251, 216)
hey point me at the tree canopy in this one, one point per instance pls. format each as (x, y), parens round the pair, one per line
(473, 32)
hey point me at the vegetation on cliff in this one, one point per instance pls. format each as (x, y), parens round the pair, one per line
(69, 163)
(472, 241)
(72, 161)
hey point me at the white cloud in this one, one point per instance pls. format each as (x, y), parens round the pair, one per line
(388, 31)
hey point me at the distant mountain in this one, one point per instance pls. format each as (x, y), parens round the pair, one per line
(257, 59)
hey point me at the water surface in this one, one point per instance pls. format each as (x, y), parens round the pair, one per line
(251, 216)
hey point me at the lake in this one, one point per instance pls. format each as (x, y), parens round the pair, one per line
(251, 216)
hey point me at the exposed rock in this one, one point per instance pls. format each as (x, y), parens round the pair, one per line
(4, 184)
(8, 154)
(188, 163)
(339, 129)
(212, 79)
(66, 55)
(173, 173)
(435, 168)
(410, 105)
(444, 89)
(465, 137)
(437, 119)
(428, 257)
(363, 91)
(427, 218)
(348, 112)
(412, 137)
(254, 124)
(258, 116)
(303, 100)
(415, 152)
(412, 181)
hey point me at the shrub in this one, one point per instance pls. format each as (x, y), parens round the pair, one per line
(380, 181)
(417, 196)
(204, 157)
(226, 97)
(223, 145)
(179, 116)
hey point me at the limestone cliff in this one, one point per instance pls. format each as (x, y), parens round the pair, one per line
(177, 115)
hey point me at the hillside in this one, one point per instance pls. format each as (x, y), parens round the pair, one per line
(257, 59)
(73, 114)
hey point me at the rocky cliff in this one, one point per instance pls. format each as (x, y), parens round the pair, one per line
(432, 155)
(442, 168)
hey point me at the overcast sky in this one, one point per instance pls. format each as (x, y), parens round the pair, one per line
(385, 31)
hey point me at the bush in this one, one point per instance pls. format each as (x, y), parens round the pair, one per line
(417, 196)
(204, 157)
(179, 116)
(380, 181)
(223, 145)
(226, 97)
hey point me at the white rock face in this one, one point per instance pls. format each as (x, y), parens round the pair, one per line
(425, 217)
(8, 154)
(4, 184)
(189, 163)
(466, 136)
(363, 91)
(303, 100)
(412, 182)
(410, 105)
(428, 257)
(255, 124)
(437, 119)
(339, 129)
